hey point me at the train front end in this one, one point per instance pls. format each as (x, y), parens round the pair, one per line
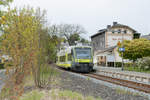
(83, 59)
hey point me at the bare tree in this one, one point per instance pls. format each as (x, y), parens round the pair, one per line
(67, 31)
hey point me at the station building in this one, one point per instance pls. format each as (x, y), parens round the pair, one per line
(105, 41)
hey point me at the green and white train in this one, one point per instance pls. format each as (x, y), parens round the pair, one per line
(76, 58)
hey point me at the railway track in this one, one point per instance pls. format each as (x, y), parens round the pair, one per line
(126, 83)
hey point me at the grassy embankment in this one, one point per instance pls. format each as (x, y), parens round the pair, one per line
(53, 93)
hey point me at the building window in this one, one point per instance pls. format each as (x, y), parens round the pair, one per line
(119, 30)
(125, 31)
(96, 43)
(113, 31)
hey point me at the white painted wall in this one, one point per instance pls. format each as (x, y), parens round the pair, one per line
(117, 57)
(114, 39)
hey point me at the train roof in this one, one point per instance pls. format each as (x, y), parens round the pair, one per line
(67, 49)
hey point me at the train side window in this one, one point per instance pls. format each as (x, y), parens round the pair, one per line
(69, 57)
(62, 59)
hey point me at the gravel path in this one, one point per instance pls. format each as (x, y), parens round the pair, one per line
(88, 87)
(2, 78)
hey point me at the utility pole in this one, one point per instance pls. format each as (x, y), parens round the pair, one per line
(122, 68)
(121, 49)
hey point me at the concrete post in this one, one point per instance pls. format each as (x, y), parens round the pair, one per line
(106, 62)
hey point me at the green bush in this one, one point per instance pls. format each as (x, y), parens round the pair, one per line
(118, 64)
(128, 64)
(143, 63)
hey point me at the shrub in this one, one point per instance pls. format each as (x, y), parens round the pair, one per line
(128, 64)
(143, 63)
(118, 64)
(45, 76)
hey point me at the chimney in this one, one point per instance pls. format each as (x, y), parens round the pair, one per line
(108, 26)
(115, 23)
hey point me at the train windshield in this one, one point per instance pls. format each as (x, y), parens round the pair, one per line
(83, 53)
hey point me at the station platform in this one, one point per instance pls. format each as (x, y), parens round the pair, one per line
(127, 75)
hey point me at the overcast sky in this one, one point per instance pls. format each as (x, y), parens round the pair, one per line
(95, 14)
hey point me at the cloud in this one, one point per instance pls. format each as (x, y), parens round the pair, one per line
(95, 14)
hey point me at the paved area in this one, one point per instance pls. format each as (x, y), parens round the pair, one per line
(112, 69)
(126, 75)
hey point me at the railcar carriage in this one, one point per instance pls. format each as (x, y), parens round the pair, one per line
(76, 58)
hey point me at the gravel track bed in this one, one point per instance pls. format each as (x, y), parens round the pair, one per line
(87, 86)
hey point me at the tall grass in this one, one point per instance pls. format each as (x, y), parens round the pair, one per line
(46, 76)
